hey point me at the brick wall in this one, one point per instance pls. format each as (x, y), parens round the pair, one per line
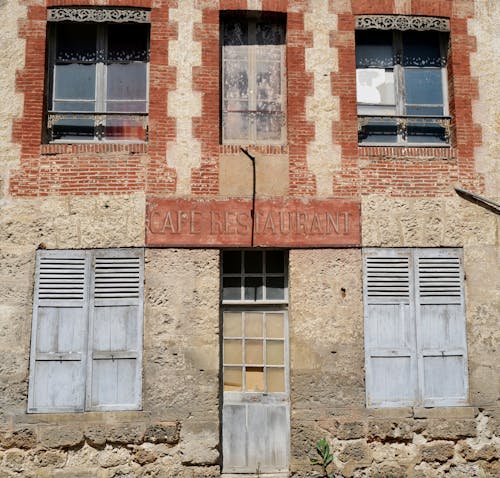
(57, 169)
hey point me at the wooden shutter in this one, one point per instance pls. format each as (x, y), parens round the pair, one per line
(59, 332)
(440, 316)
(415, 339)
(116, 330)
(390, 349)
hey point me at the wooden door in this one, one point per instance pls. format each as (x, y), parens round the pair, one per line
(256, 408)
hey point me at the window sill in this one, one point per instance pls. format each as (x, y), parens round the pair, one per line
(73, 417)
(93, 147)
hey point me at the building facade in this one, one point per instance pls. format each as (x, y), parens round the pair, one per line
(230, 228)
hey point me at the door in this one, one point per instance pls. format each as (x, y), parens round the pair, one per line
(256, 407)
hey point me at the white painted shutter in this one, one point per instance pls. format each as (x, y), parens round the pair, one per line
(390, 349)
(116, 330)
(440, 315)
(59, 332)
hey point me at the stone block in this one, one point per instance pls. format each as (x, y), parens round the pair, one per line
(440, 451)
(24, 438)
(144, 457)
(111, 457)
(388, 470)
(304, 436)
(486, 452)
(61, 436)
(199, 443)
(355, 451)
(14, 460)
(443, 413)
(402, 429)
(450, 429)
(50, 458)
(345, 430)
(126, 434)
(166, 432)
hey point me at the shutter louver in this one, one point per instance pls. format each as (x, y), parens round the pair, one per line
(439, 277)
(61, 278)
(387, 276)
(117, 277)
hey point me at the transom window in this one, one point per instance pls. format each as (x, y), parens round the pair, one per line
(402, 86)
(253, 80)
(254, 276)
(97, 81)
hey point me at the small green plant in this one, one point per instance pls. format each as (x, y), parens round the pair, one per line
(325, 457)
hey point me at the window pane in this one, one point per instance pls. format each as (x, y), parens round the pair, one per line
(269, 126)
(423, 86)
(254, 352)
(275, 262)
(424, 110)
(254, 379)
(275, 380)
(76, 42)
(235, 34)
(375, 86)
(275, 288)
(235, 125)
(275, 352)
(275, 325)
(231, 262)
(120, 128)
(269, 34)
(232, 324)
(374, 49)
(269, 82)
(253, 324)
(127, 81)
(377, 110)
(231, 288)
(74, 81)
(233, 352)
(422, 49)
(253, 288)
(235, 81)
(128, 42)
(253, 262)
(232, 379)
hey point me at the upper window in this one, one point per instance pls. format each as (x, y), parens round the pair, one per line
(415, 336)
(86, 342)
(402, 84)
(97, 76)
(253, 80)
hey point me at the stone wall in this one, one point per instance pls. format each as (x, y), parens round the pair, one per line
(327, 354)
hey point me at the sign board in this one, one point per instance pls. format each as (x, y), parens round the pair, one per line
(274, 223)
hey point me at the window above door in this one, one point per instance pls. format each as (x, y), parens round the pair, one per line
(254, 276)
(253, 79)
